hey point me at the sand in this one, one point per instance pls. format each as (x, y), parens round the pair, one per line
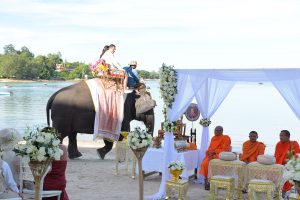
(91, 178)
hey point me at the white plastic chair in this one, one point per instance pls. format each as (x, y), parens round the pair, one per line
(27, 183)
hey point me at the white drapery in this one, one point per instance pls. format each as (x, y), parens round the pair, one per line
(211, 86)
(209, 97)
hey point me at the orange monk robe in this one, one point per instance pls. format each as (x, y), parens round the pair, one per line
(251, 150)
(281, 151)
(218, 144)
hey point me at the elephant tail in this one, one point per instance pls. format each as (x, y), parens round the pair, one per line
(48, 107)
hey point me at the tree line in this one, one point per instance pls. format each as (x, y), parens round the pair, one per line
(23, 64)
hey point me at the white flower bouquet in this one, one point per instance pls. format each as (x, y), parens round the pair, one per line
(176, 165)
(40, 145)
(205, 122)
(139, 138)
(292, 169)
(169, 126)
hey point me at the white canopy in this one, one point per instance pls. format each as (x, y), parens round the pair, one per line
(211, 86)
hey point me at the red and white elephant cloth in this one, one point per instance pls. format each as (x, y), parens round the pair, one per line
(109, 108)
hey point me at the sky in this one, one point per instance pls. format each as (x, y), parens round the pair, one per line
(188, 34)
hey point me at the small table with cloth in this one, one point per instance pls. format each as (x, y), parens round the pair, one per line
(235, 169)
(153, 160)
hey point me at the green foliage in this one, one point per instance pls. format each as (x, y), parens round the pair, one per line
(23, 64)
(148, 75)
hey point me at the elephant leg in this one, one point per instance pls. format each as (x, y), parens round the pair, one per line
(149, 122)
(108, 146)
(104, 150)
(72, 147)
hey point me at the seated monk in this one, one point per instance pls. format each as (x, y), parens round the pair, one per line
(283, 152)
(56, 179)
(218, 144)
(252, 148)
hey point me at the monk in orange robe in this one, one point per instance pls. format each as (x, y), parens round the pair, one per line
(252, 148)
(284, 149)
(218, 144)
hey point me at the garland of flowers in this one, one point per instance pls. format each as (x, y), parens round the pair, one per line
(168, 90)
(205, 122)
(168, 84)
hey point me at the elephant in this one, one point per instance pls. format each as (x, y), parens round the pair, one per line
(73, 111)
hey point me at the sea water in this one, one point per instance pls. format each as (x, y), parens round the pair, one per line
(248, 107)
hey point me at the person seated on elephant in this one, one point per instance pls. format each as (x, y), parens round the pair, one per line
(109, 58)
(8, 186)
(133, 76)
(56, 178)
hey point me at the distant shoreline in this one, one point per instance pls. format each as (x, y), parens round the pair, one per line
(7, 80)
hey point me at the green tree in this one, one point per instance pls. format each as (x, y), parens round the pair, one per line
(10, 50)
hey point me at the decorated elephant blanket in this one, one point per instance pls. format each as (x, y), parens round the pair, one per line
(109, 108)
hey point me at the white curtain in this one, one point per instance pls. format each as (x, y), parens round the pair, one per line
(185, 91)
(288, 85)
(209, 97)
(169, 155)
(183, 98)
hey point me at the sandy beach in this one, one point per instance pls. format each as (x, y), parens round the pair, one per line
(91, 178)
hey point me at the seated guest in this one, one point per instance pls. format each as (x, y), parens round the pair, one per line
(8, 139)
(252, 148)
(56, 178)
(8, 185)
(133, 77)
(218, 144)
(283, 152)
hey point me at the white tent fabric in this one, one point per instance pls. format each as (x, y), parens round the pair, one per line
(211, 86)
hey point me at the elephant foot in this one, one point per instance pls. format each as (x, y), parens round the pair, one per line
(75, 155)
(101, 153)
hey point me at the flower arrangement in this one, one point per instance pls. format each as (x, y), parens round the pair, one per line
(292, 169)
(99, 67)
(169, 126)
(139, 138)
(168, 84)
(40, 145)
(205, 122)
(176, 165)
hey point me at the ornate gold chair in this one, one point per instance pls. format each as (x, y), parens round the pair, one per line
(224, 182)
(233, 169)
(265, 178)
(177, 190)
(259, 185)
(123, 152)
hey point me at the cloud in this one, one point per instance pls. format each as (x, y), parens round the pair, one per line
(210, 33)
